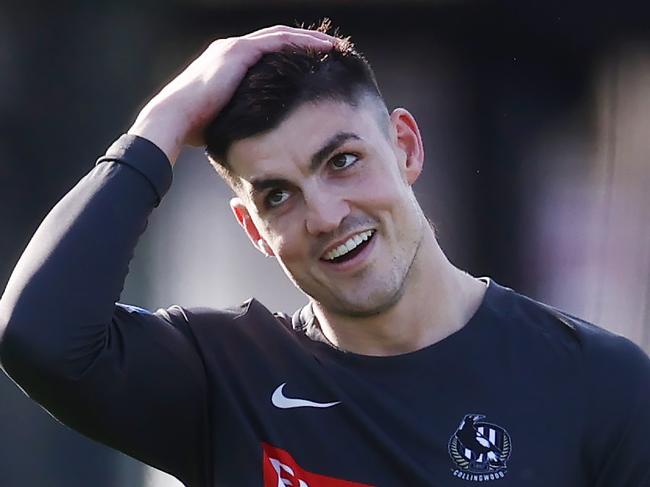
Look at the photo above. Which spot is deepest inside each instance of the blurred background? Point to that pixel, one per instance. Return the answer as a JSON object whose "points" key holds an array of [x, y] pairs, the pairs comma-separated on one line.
{"points": [[536, 122]]}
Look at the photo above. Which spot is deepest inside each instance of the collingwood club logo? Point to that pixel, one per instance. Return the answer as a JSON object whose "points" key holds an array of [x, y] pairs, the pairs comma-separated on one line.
{"points": [[479, 450]]}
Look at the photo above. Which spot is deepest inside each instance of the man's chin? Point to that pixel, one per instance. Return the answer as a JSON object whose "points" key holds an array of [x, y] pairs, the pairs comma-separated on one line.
{"points": [[365, 307]]}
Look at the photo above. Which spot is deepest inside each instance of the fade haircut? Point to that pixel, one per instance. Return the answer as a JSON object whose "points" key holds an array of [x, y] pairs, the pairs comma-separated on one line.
{"points": [[282, 81]]}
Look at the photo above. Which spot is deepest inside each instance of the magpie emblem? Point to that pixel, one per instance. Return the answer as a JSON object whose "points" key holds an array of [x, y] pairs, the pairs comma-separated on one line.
{"points": [[479, 449]]}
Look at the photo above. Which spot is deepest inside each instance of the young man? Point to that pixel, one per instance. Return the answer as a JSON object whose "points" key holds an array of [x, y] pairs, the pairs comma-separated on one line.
{"points": [[401, 370]]}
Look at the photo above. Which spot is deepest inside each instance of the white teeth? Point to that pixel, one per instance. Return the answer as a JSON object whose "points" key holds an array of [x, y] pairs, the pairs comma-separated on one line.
{"points": [[350, 244]]}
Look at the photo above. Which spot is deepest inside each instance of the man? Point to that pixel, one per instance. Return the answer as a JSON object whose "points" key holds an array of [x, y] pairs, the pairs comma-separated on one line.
{"points": [[401, 371]]}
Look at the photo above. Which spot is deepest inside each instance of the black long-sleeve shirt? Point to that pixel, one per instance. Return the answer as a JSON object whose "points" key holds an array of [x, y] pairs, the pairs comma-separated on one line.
{"points": [[247, 397]]}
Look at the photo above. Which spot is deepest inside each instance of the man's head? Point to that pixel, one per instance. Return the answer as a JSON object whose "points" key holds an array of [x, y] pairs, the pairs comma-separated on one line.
{"points": [[323, 176], [282, 81]]}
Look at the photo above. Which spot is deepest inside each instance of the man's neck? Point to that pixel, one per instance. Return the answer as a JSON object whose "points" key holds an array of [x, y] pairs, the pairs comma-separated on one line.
{"points": [[438, 301]]}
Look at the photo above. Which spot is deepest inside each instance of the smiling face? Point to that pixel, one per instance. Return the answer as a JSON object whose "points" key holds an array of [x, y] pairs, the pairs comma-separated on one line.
{"points": [[328, 192]]}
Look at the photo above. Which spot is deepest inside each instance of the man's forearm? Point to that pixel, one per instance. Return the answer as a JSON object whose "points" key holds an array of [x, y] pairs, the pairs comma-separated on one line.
{"points": [[72, 272]]}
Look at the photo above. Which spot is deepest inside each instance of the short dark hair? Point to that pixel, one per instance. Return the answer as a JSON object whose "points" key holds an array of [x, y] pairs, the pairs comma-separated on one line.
{"points": [[282, 81]]}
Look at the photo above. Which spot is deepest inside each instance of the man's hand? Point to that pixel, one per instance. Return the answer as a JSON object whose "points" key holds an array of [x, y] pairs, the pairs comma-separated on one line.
{"points": [[179, 113]]}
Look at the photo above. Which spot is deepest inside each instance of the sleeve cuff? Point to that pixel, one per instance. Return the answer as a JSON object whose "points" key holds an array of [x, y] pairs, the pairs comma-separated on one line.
{"points": [[144, 157]]}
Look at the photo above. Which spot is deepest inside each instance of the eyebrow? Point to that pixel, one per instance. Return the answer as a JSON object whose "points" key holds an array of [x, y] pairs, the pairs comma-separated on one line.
{"points": [[328, 147]]}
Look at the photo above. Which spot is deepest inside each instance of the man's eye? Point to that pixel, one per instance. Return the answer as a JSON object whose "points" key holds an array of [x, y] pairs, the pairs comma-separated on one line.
{"points": [[276, 198], [342, 161]]}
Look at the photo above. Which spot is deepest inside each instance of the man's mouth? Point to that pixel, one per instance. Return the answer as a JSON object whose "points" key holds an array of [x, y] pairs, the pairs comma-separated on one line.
{"points": [[350, 248]]}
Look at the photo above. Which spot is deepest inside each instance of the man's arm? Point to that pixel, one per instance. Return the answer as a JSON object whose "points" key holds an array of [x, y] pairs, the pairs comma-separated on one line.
{"points": [[127, 379], [123, 376]]}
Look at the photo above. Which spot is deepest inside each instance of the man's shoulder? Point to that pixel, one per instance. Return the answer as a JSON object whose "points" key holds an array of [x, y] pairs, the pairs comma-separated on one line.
{"points": [[602, 351], [250, 310], [250, 318]]}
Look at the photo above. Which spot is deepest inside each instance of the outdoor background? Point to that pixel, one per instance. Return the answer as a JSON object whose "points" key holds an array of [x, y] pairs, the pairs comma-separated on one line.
{"points": [[536, 122]]}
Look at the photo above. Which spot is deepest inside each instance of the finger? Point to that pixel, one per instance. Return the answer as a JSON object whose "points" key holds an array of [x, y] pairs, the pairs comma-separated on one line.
{"points": [[294, 30], [279, 28], [278, 40]]}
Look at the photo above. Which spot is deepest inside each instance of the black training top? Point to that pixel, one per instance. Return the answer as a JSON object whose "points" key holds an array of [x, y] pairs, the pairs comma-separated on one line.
{"points": [[523, 395]]}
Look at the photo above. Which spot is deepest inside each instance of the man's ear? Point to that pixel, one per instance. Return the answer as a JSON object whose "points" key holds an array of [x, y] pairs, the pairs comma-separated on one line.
{"points": [[408, 144], [246, 222]]}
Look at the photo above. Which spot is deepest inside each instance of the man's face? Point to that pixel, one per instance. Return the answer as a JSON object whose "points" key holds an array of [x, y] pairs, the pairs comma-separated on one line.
{"points": [[329, 193]]}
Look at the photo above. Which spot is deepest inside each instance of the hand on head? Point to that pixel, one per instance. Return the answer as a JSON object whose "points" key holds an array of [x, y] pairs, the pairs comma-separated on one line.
{"points": [[178, 114]]}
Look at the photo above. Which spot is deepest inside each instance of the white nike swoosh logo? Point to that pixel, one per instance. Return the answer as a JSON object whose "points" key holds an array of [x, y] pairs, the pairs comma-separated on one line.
{"points": [[281, 401]]}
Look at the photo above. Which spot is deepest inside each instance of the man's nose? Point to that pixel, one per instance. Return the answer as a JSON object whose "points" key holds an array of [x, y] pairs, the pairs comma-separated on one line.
{"points": [[325, 211]]}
